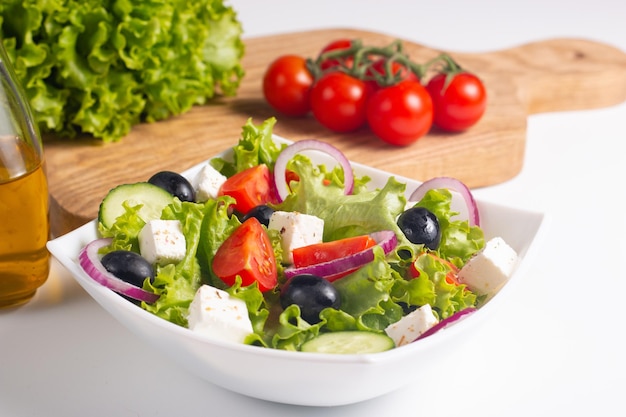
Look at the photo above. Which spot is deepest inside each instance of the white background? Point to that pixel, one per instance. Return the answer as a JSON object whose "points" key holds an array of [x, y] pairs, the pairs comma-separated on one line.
{"points": [[556, 349]]}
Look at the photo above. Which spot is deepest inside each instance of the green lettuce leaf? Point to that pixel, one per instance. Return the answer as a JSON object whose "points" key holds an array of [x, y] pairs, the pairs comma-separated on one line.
{"points": [[255, 147], [431, 287], [459, 241], [100, 67], [177, 283], [292, 331], [365, 296], [362, 212], [217, 225], [125, 231]]}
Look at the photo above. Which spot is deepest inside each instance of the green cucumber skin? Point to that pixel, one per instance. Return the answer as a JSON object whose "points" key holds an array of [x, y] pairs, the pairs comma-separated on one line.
{"points": [[153, 198], [349, 342]]}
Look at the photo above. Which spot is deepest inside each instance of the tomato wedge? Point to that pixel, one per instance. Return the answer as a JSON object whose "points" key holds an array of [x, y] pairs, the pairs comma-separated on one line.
{"points": [[251, 187], [328, 251], [247, 252]]}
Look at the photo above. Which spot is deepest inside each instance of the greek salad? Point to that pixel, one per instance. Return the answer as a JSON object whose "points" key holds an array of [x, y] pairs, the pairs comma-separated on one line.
{"points": [[272, 249]]}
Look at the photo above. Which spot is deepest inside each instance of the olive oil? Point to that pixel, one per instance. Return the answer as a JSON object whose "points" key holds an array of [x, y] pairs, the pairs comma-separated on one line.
{"points": [[24, 228]]}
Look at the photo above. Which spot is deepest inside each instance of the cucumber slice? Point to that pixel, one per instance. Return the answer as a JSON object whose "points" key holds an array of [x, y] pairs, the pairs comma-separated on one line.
{"points": [[152, 198], [349, 342]]}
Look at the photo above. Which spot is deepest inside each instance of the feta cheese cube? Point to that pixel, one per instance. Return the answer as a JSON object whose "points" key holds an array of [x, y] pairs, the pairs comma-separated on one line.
{"points": [[296, 230], [411, 326], [487, 271], [162, 242], [216, 314], [207, 183]]}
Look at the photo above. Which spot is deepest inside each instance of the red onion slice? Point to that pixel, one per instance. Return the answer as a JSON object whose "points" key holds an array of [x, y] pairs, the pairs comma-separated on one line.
{"points": [[290, 151], [89, 261], [447, 322], [454, 185], [386, 239]]}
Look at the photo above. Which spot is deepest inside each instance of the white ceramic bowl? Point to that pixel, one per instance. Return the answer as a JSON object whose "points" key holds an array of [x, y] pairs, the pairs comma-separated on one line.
{"points": [[297, 377]]}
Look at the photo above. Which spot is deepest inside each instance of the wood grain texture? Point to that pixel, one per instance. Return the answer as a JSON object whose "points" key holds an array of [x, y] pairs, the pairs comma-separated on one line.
{"points": [[545, 76]]}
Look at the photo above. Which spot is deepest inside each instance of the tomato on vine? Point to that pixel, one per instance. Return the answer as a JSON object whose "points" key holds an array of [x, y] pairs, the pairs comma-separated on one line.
{"points": [[336, 45], [400, 114], [287, 85], [389, 71], [349, 85], [459, 100], [338, 101]]}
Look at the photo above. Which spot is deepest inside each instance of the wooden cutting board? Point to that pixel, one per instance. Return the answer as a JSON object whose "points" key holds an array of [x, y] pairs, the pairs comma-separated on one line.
{"points": [[545, 76]]}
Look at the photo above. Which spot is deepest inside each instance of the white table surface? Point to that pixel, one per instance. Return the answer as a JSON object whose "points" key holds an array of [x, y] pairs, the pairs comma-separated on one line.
{"points": [[558, 347]]}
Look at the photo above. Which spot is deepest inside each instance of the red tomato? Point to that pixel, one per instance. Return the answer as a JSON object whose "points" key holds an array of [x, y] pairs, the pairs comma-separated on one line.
{"points": [[338, 101], [459, 104], [286, 85], [335, 46], [251, 187], [247, 252], [398, 71], [291, 176], [328, 251], [400, 114]]}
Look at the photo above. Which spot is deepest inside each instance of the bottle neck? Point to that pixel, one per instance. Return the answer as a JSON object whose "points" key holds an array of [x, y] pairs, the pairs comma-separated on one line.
{"points": [[16, 117]]}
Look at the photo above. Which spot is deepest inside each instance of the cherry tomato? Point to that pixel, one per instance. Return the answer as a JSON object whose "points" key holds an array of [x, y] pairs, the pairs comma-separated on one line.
{"points": [[328, 251], [338, 101], [400, 114], [251, 187], [379, 69], [247, 252], [459, 104], [336, 62], [286, 85]]}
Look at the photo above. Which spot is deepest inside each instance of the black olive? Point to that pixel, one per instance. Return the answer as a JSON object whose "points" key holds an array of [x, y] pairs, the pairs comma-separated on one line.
{"points": [[262, 213], [407, 308], [312, 294], [128, 266], [175, 184], [420, 226]]}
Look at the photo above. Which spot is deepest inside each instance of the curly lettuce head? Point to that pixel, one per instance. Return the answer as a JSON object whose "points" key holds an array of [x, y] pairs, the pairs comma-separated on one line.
{"points": [[102, 66]]}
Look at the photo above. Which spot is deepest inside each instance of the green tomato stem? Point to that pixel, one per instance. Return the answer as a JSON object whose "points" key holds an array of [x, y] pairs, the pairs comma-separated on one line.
{"points": [[364, 57]]}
